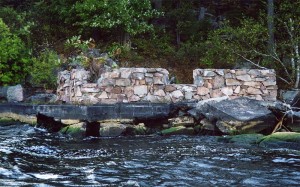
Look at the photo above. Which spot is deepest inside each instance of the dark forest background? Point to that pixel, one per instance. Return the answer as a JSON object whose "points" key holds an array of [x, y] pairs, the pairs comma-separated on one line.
{"points": [[39, 37]]}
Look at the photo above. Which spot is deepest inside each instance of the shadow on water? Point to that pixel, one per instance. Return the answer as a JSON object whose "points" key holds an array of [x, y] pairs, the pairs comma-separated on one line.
{"points": [[33, 157]]}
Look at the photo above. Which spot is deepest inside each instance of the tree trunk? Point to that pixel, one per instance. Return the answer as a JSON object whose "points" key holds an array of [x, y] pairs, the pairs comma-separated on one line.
{"points": [[297, 57], [271, 42], [295, 60], [157, 4], [3, 91], [178, 37], [126, 40], [178, 40], [202, 13]]}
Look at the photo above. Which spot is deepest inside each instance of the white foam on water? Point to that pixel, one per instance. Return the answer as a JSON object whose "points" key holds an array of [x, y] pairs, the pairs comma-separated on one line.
{"points": [[5, 172], [5, 150], [45, 176], [285, 160], [111, 163]]}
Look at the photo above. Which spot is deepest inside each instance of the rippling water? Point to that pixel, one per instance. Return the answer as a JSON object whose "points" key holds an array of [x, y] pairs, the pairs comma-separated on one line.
{"points": [[34, 157]]}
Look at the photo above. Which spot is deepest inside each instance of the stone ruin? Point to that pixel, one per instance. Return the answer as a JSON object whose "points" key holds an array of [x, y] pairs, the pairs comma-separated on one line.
{"points": [[152, 85]]}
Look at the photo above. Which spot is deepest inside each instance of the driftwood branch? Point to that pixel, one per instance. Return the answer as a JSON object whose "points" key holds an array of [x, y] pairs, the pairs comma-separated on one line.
{"points": [[261, 67], [276, 57]]}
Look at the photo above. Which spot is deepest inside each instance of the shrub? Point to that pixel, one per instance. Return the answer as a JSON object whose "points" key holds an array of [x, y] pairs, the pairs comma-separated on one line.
{"points": [[44, 69], [13, 57]]}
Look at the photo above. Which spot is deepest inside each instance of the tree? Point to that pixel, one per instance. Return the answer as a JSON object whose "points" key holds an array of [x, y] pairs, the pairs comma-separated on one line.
{"points": [[13, 61], [271, 42], [288, 39], [231, 45], [128, 18], [44, 68], [253, 41]]}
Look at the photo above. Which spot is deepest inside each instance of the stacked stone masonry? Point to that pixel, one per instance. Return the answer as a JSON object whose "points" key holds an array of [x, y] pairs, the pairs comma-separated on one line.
{"points": [[152, 85]]}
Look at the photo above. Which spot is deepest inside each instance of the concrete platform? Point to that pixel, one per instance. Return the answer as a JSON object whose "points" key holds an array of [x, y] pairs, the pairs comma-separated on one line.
{"points": [[92, 112]]}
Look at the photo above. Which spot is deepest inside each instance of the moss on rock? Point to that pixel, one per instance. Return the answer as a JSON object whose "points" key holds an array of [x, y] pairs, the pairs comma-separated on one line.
{"points": [[281, 140], [77, 130], [8, 116], [241, 139], [179, 130], [133, 130]]}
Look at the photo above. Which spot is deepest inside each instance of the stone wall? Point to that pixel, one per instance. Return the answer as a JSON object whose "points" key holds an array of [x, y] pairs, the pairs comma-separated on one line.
{"points": [[152, 85], [253, 83]]}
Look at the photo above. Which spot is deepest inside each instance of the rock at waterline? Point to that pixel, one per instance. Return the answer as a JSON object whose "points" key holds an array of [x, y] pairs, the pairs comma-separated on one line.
{"points": [[112, 129], [241, 139], [239, 116], [290, 140], [133, 130], [179, 130], [76, 130], [182, 121]]}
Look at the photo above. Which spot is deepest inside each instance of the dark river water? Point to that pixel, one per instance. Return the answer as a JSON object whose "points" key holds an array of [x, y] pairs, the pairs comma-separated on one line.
{"points": [[34, 157]]}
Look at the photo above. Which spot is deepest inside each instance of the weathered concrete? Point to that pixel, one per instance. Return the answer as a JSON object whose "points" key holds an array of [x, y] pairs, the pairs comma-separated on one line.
{"points": [[93, 112]]}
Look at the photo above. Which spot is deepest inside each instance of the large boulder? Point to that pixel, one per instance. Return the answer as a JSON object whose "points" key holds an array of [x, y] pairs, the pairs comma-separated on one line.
{"points": [[12, 93], [238, 116], [291, 97], [287, 111]]}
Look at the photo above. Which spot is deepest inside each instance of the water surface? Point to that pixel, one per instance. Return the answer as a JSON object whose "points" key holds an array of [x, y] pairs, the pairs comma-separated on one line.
{"points": [[33, 157]]}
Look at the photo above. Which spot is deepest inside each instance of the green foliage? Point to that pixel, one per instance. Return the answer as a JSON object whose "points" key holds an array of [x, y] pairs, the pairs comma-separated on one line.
{"points": [[154, 47], [13, 57], [77, 44], [184, 19], [287, 26], [17, 22], [116, 49], [128, 16], [180, 40], [77, 61], [44, 68], [228, 45]]}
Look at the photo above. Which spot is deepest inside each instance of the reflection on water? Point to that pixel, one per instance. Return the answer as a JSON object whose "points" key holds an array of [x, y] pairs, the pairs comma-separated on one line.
{"points": [[33, 157]]}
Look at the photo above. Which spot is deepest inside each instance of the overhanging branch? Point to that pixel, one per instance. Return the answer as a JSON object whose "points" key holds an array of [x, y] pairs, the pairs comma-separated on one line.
{"points": [[261, 67]]}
